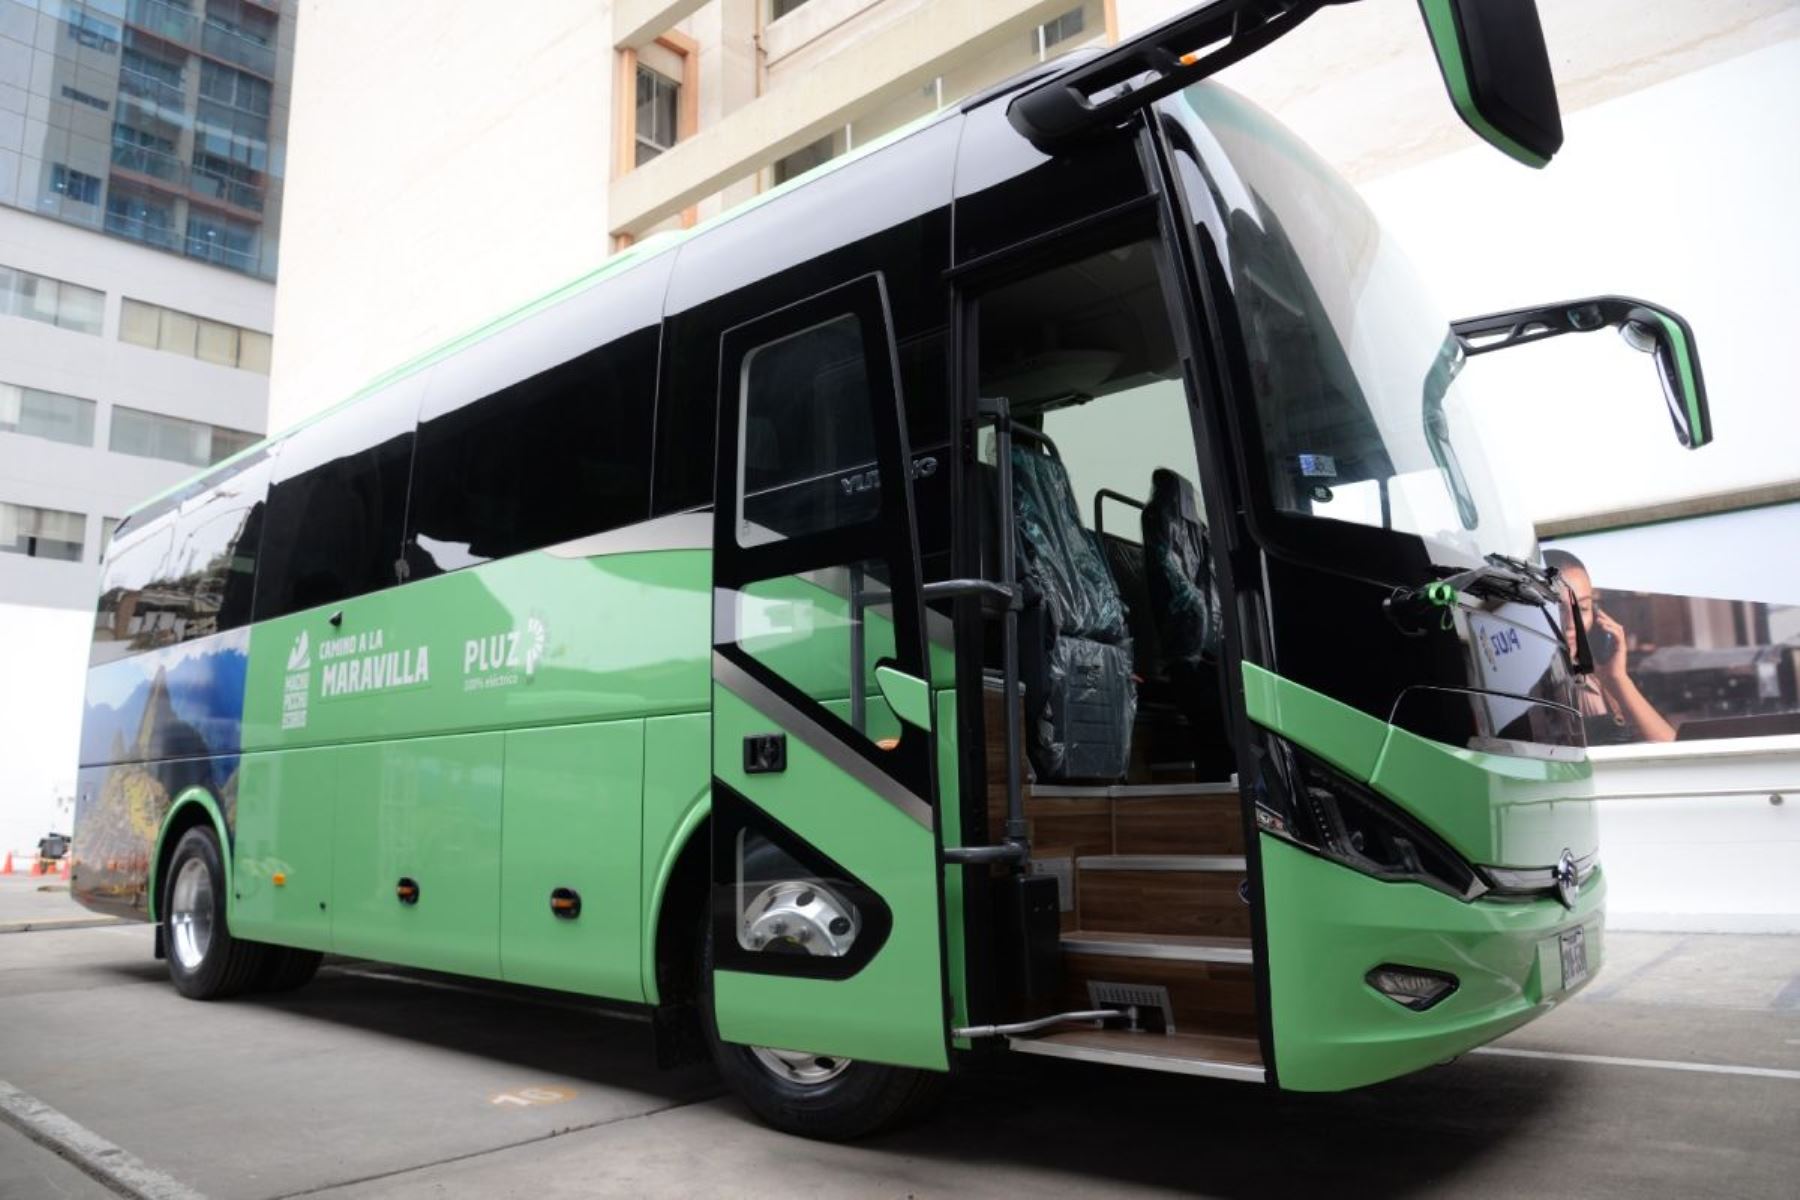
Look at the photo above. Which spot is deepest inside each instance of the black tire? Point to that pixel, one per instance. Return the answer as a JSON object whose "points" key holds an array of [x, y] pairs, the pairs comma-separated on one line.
{"points": [[863, 1099], [215, 965], [285, 968]]}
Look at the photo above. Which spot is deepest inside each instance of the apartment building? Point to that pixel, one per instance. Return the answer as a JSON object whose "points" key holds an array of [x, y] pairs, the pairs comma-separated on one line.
{"points": [[141, 166], [140, 195], [420, 206]]}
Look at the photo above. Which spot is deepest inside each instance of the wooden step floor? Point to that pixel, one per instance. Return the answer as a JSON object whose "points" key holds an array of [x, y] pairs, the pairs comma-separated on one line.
{"points": [[1218, 1056], [1192, 895]]}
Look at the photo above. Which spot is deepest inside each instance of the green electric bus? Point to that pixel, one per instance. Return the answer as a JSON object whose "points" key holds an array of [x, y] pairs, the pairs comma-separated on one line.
{"points": [[1034, 587]]}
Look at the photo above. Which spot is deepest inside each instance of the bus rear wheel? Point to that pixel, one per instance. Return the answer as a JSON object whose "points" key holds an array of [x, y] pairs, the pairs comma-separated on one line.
{"points": [[814, 1095], [205, 961]]}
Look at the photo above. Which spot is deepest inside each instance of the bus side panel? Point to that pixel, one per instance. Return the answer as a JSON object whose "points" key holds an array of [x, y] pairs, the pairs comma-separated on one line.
{"points": [[425, 810], [155, 724], [571, 816], [281, 875]]}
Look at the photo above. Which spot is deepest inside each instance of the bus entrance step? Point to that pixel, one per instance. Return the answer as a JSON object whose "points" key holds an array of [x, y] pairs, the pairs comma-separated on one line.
{"points": [[1193, 895], [1183, 1054], [1201, 985]]}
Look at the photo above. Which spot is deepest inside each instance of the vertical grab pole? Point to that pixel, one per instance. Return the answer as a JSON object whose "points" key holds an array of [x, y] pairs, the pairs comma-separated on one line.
{"points": [[1016, 829], [859, 701]]}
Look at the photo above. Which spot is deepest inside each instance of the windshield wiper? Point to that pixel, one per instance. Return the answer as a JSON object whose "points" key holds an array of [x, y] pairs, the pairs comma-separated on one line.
{"points": [[1501, 576]]}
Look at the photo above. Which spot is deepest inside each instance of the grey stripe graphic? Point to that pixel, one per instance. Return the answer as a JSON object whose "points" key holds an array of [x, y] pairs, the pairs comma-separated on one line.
{"points": [[820, 740]]}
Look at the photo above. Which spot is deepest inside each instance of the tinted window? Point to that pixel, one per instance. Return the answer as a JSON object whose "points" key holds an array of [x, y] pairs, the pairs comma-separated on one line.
{"points": [[560, 455], [808, 460], [185, 574], [338, 508]]}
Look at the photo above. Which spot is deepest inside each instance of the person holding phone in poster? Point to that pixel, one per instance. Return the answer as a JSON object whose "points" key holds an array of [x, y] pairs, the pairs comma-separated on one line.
{"points": [[1612, 707]]}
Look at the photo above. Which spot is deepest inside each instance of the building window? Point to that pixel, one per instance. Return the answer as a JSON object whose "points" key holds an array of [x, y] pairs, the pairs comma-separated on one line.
{"points": [[75, 185], [88, 29], [49, 415], [81, 97], [152, 435], [40, 298], [1059, 29], [240, 33], [221, 240], [658, 108], [781, 8], [108, 527], [41, 532], [158, 328]]}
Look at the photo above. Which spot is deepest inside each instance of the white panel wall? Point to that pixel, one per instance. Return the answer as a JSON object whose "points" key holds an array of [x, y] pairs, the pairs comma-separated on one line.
{"points": [[446, 161]]}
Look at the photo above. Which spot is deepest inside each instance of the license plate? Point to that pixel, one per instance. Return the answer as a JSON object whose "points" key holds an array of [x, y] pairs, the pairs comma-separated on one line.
{"points": [[1574, 957]]}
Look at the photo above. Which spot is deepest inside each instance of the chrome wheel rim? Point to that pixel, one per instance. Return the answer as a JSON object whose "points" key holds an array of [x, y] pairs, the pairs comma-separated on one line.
{"points": [[191, 914], [799, 1066]]}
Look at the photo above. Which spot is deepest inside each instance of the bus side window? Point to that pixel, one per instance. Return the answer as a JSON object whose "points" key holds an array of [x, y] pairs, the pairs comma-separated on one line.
{"points": [[191, 571], [338, 504], [558, 456]]}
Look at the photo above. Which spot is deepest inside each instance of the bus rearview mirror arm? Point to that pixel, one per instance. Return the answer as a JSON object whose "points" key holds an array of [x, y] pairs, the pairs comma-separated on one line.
{"points": [[1657, 331], [1491, 55]]}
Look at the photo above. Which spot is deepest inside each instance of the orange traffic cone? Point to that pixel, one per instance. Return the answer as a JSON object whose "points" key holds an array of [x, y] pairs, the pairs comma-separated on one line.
{"points": [[8, 868]]}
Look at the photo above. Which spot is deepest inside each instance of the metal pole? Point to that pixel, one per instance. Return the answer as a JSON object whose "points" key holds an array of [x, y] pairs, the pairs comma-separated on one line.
{"points": [[1016, 828], [859, 701]]}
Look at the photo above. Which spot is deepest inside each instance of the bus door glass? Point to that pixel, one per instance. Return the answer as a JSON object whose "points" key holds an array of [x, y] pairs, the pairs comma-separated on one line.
{"points": [[826, 914]]}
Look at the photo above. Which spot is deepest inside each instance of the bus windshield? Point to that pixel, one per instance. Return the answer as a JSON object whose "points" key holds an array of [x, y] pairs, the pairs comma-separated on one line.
{"points": [[1359, 408]]}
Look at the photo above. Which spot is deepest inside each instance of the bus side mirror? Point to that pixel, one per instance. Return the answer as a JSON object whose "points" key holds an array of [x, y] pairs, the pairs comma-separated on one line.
{"points": [[1496, 68], [1657, 331]]}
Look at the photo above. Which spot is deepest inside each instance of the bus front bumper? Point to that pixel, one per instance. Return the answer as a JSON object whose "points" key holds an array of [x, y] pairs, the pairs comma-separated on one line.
{"points": [[1329, 926]]}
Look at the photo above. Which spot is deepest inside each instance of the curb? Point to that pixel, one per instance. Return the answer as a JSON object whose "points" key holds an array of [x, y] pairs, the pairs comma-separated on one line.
{"points": [[42, 924]]}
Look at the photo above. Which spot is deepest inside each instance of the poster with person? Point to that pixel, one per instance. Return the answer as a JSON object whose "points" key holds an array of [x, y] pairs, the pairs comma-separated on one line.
{"points": [[1682, 668]]}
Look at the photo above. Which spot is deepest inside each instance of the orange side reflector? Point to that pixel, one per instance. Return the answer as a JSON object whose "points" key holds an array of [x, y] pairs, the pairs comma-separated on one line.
{"points": [[280, 879], [887, 743]]}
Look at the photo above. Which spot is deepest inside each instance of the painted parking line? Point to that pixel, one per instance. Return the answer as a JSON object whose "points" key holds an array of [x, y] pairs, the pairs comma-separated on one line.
{"points": [[122, 1172], [1660, 1064]]}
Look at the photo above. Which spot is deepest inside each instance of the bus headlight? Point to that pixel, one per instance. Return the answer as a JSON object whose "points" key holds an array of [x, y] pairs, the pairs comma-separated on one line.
{"points": [[1306, 801]]}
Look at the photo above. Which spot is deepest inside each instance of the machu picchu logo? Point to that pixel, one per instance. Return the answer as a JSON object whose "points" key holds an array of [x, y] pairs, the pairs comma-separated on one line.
{"points": [[300, 656]]}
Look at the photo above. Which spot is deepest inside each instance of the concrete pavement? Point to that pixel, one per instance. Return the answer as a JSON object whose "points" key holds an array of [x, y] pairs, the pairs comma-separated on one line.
{"points": [[375, 1081], [40, 902]]}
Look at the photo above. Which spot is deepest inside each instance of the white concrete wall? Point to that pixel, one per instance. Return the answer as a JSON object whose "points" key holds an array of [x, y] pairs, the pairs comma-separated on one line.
{"points": [[1702, 837], [446, 161]]}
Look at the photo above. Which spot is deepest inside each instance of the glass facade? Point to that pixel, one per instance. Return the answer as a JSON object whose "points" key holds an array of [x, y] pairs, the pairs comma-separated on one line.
{"points": [[153, 435], [50, 415], [161, 121], [41, 532]]}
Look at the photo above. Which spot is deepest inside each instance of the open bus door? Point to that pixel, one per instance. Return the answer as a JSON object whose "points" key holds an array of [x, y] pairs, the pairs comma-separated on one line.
{"points": [[826, 914]]}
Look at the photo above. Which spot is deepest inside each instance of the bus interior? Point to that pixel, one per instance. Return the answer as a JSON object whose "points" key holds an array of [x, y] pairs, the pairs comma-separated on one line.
{"points": [[1127, 769]]}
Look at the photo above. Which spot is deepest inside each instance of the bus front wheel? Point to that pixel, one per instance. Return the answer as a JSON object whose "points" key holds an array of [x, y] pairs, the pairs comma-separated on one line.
{"points": [[813, 1095], [205, 961]]}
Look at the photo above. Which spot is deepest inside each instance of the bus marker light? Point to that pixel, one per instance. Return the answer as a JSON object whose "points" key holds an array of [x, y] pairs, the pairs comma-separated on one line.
{"points": [[407, 891], [565, 903], [1411, 987], [280, 879]]}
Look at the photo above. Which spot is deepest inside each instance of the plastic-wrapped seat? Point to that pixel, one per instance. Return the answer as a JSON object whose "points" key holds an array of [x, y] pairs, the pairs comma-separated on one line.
{"points": [[1184, 606], [1075, 653]]}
